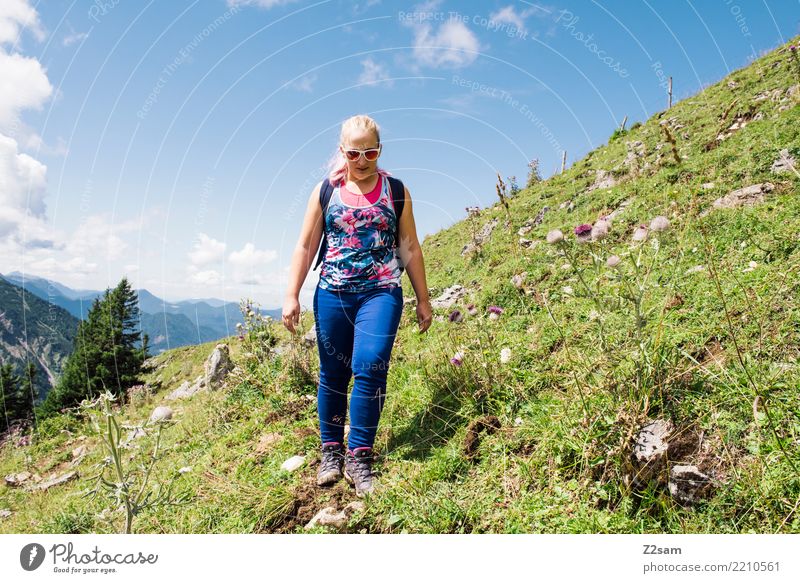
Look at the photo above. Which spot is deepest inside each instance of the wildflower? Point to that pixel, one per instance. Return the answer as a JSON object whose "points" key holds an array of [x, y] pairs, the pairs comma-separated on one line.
{"points": [[241, 336], [792, 48], [494, 312], [594, 315], [613, 261], [599, 231], [458, 359], [505, 355], [473, 311], [251, 313], [583, 233], [455, 316], [518, 279], [555, 236], [640, 234], [660, 223], [238, 325], [185, 469], [567, 289]]}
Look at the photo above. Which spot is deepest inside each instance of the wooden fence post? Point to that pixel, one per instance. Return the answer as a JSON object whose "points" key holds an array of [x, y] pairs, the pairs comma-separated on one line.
{"points": [[670, 93]]}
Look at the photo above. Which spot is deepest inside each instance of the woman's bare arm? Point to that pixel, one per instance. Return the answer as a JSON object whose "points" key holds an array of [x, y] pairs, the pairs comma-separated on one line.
{"points": [[307, 245]]}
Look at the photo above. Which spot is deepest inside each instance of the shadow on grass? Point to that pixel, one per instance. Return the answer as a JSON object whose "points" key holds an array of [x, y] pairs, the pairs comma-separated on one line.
{"points": [[431, 427]]}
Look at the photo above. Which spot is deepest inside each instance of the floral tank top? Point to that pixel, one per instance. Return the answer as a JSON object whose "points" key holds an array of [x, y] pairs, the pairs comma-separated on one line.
{"points": [[361, 251]]}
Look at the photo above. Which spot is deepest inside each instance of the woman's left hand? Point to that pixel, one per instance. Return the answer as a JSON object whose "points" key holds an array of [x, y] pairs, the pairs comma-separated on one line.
{"points": [[424, 315]]}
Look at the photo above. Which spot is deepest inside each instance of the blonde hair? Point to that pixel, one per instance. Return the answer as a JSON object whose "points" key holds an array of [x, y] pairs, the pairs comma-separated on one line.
{"points": [[338, 163]]}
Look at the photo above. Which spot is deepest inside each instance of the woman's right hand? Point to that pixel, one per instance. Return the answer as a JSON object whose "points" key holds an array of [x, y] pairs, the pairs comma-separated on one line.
{"points": [[291, 313]]}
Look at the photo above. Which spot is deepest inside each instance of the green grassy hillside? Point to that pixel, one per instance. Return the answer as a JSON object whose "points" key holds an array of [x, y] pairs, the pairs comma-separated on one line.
{"points": [[698, 326]]}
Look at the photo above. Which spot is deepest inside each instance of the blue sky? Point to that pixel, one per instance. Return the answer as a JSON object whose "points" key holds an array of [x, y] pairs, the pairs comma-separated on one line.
{"points": [[177, 142]]}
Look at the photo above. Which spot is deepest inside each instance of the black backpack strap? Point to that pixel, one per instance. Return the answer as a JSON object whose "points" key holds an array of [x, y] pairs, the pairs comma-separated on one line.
{"points": [[398, 195], [398, 199], [325, 192]]}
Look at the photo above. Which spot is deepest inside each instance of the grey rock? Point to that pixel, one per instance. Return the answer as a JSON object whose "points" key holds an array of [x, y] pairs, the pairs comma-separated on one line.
{"points": [[293, 463], [449, 297], [218, 366], [310, 338], [688, 485], [480, 238], [186, 390], [56, 481], [603, 179], [784, 163], [619, 210], [17, 480], [749, 195], [135, 433], [330, 517], [5, 513], [649, 456]]}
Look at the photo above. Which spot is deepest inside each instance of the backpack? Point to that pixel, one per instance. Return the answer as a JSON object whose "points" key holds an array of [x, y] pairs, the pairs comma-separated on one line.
{"points": [[326, 191]]}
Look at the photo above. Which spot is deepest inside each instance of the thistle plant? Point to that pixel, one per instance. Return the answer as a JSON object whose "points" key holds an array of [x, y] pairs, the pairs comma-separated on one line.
{"points": [[533, 173], [125, 480], [472, 363], [795, 59], [618, 283], [256, 333]]}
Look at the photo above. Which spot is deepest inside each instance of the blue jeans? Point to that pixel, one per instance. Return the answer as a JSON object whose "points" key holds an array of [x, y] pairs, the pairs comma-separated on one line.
{"points": [[355, 335]]}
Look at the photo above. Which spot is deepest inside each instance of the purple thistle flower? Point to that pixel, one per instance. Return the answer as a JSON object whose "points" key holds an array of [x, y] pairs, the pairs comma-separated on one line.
{"points": [[640, 234], [458, 359], [659, 223], [455, 316], [583, 233], [792, 48], [555, 236], [494, 312], [473, 311]]}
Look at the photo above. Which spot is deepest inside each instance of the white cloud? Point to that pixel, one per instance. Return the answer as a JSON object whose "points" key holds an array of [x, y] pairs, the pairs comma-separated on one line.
{"points": [[22, 180], [372, 73], [71, 39], [305, 83], [16, 15], [453, 45], [24, 86], [508, 15], [97, 232], [260, 3], [204, 278], [246, 262], [206, 250]]}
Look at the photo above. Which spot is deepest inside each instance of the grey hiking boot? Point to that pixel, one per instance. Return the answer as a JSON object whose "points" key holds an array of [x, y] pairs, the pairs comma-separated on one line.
{"points": [[358, 470], [330, 468]]}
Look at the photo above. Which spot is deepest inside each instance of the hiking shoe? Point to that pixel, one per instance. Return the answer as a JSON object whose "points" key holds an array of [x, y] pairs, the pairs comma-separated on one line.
{"points": [[330, 468], [358, 470]]}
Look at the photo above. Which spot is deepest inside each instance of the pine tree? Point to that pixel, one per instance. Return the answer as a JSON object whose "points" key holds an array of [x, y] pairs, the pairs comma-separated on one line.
{"points": [[8, 389], [106, 356], [14, 404]]}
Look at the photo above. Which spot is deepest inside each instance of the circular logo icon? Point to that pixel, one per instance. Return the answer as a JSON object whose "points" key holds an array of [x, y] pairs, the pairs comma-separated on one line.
{"points": [[31, 556]]}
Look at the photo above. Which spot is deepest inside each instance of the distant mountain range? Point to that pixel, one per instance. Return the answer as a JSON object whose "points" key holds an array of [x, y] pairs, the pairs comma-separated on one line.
{"points": [[32, 330], [52, 311]]}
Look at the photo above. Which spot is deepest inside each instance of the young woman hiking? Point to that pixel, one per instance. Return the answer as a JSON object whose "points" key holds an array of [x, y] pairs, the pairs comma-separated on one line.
{"points": [[359, 298]]}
